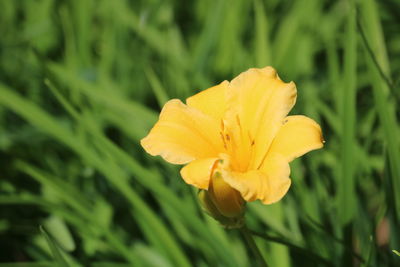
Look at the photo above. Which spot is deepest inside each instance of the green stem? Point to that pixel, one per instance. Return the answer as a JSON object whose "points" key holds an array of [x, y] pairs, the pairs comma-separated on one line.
{"points": [[253, 246]]}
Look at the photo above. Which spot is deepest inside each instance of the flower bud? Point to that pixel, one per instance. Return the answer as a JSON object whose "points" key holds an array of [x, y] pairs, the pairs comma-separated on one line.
{"points": [[223, 203], [227, 200]]}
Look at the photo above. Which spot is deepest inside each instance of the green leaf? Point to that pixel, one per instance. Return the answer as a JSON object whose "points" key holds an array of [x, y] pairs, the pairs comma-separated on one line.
{"points": [[54, 249], [60, 232]]}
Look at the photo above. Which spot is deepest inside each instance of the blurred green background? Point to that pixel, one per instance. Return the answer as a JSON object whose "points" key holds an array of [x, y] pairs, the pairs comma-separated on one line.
{"points": [[82, 81]]}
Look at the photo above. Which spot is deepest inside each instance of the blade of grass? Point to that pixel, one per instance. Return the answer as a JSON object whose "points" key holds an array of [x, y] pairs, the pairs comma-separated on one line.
{"points": [[115, 176], [54, 249], [157, 87], [385, 106], [83, 222], [27, 264], [346, 196], [305, 252], [261, 42], [391, 85]]}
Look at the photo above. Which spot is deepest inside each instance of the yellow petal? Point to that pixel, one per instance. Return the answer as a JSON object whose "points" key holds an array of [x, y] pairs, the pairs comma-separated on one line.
{"points": [[297, 136], [183, 134], [211, 101], [258, 101], [198, 172], [269, 184]]}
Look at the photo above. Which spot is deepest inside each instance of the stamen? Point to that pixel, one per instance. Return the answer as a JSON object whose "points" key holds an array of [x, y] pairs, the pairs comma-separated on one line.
{"points": [[223, 140], [249, 135], [238, 120]]}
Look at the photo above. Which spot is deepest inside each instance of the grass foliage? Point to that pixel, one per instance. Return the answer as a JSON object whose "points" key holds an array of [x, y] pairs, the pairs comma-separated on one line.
{"points": [[81, 82]]}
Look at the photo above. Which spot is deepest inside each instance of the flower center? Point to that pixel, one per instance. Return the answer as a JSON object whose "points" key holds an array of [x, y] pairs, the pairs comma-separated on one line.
{"points": [[238, 144]]}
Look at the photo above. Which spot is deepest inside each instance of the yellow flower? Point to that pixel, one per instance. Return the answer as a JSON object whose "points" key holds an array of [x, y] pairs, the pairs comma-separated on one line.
{"points": [[236, 140]]}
